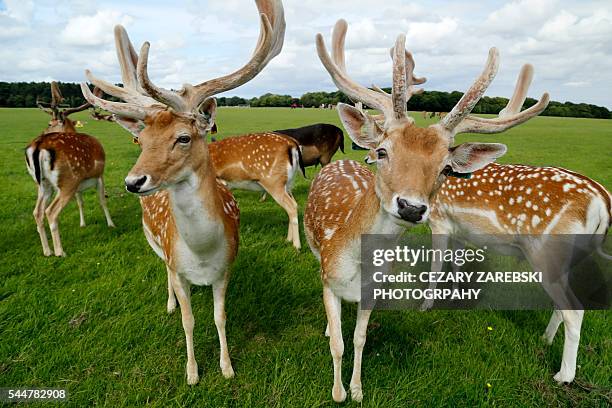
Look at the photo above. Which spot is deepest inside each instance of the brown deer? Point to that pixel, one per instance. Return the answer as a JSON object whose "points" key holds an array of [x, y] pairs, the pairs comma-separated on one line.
{"points": [[261, 162], [347, 200], [67, 162], [190, 219], [525, 208], [319, 142]]}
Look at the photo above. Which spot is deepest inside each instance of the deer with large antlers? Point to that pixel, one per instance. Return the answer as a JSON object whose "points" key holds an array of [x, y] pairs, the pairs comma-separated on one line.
{"points": [[526, 208], [347, 200], [62, 160], [190, 219]]}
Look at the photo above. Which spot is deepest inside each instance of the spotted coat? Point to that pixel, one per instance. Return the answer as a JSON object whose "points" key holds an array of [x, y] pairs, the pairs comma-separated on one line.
{"points": [[342, 204], [158, 219], [519, 199], [73, 156]]}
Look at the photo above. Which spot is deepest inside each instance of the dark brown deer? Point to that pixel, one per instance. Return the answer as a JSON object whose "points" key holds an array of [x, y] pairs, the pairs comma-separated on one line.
{"points": [[319, 142]]}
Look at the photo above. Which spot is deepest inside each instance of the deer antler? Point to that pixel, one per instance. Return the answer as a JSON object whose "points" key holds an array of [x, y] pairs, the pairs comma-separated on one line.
{"points": [[69, 111], [142, 96], [268, 46], [511, 115], [393, 106], [459, 119], [56, 95]]}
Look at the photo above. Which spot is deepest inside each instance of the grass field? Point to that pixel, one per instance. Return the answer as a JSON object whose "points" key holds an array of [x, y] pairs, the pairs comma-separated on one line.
{"points": [[122, 349]]}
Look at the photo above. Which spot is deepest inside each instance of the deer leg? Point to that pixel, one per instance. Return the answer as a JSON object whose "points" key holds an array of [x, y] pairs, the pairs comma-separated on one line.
{"points": [[359, 339], [183, 294], [39, 216], [102, 198], [263, 197], [285, 200], [555, 281], [79, 200], [53, 211], [572, 321], [438, 241], [336, 344], [219, 305], [327, 325], [553, 326], [456, 245], [171, 305]]}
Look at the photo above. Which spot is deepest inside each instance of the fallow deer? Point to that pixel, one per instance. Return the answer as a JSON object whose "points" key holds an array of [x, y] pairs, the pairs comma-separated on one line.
{"points": [[526, 208], [319, 142], [190, 219], [347, 200], [67, 162], [262, 162]]}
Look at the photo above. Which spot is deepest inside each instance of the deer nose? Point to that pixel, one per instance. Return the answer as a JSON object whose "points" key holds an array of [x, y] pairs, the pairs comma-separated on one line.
{"points": [[133, 183], [410, 212]]}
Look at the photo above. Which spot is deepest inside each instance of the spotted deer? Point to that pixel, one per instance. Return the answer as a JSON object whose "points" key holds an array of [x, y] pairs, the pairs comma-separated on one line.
{"points": [[67, 162], [526, 209], [190, 219], [347, 200], [262, 162]]}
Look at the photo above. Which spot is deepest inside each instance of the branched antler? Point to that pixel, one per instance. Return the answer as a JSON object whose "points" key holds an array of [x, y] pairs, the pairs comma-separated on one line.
{"points": [[141, 96], [392, 106]]}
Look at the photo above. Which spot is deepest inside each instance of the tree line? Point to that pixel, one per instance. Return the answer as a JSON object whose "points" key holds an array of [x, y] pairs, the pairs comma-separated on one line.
{"points": [[26, 94]]}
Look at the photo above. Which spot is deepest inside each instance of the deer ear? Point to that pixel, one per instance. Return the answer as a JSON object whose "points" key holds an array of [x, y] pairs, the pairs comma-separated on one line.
{"points": [[134, 126], [206, 114], [469, 157], [362, 129]]}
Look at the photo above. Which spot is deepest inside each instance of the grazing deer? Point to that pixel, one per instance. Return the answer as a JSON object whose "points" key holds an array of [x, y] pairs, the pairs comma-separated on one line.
{"points": [[525, 207], [190, 219], [347, 200], [67, 162], [262, 162], [319, 142]]}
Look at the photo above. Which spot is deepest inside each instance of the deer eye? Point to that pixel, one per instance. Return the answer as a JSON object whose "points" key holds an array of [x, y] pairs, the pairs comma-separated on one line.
{"points": [[381, 154], [447, 170], [184, 139]]}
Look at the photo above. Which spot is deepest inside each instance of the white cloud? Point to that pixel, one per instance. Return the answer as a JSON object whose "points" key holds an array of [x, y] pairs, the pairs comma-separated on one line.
{"points": [[19, 10], [93, 30], [558, 26], [431, 34], [521, 14], [577, 83], [195, 40]]}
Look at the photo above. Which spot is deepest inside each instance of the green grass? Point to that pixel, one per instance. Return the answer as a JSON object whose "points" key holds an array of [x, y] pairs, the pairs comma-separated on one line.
{"points": [[127, 351]]}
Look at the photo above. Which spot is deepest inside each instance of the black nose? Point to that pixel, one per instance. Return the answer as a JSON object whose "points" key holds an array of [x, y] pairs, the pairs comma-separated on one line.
{"points": [[133, 186], [409, 212]]}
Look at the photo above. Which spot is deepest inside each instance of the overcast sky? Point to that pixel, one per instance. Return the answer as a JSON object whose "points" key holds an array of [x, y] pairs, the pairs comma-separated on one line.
{"points": [[568, 42]]}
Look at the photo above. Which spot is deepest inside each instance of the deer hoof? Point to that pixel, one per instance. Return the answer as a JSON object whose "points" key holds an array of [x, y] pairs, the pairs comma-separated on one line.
{"points": [[356, 393], [338, 393]]}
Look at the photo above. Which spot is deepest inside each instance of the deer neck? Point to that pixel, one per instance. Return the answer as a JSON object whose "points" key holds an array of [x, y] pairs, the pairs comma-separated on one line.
{"points": [[376, 219], [196, 206]]}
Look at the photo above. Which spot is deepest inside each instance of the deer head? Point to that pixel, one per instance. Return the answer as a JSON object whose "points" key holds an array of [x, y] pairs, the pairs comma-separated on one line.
{"points": [[412, 162], [59, 117], [171, 126]]}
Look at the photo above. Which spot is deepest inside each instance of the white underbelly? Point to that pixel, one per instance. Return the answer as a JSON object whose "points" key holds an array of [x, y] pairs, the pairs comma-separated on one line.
{"points": [[346, 283], [87, 183], [245, 185]]}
